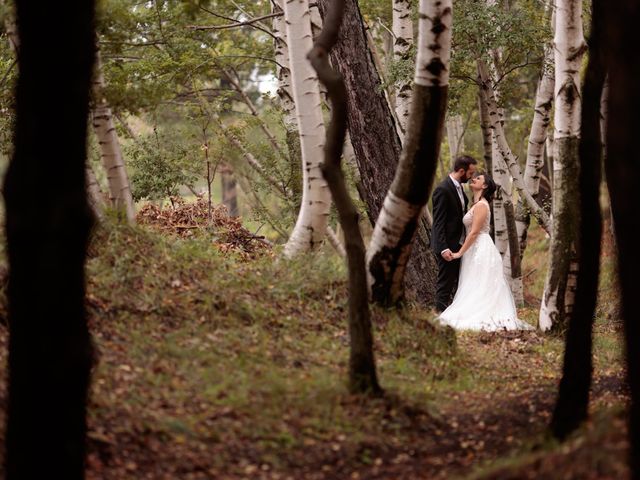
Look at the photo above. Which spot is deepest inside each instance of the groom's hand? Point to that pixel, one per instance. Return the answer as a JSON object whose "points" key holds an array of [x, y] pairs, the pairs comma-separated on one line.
{"points": [[447, 255]]}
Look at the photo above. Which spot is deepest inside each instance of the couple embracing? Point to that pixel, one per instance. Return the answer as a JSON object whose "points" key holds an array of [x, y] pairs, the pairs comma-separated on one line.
{"points": [[469, 264]]}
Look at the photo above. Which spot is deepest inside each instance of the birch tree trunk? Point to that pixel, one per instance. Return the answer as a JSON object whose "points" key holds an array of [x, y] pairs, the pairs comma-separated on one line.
{"points": [[501, 177], [487, 147], [572, 406], [375, 141], [402, 27], [397, 223], [505, 151], [362, 368], [311, 225], [537, 140], [455, 135], [485, 127], [569, 47], [285, 94], [110, 152]]}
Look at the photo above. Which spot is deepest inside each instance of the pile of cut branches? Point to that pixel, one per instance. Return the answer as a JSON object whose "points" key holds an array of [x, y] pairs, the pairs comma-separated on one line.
{"points": [[187, 220]]}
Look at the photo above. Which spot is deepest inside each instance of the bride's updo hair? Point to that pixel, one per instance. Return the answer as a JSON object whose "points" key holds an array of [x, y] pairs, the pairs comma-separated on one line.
{"points": [[489, 192]]}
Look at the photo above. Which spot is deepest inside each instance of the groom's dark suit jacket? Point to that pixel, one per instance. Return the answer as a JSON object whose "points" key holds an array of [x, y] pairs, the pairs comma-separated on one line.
{"points": [[447, 217]]}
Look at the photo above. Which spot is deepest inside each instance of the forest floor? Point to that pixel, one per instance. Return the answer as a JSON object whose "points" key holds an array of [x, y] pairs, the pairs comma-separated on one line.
{"points": [[216, 360]]}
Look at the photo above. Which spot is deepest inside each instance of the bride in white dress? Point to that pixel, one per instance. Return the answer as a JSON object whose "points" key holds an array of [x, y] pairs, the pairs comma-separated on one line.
{"points": [[483, 300]]}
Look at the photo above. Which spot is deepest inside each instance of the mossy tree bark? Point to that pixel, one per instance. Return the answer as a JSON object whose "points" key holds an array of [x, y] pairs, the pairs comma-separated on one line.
{"points": [[50, 350]]}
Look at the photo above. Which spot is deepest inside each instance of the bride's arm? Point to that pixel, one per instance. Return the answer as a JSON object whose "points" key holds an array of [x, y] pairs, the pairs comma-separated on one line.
{"points": [[479, 217]]}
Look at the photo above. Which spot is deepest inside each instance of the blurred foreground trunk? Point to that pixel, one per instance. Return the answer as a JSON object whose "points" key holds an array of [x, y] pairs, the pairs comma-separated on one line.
{"points": [[47, 234]]}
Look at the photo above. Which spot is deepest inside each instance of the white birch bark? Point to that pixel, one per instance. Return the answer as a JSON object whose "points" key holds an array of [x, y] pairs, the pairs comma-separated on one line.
{"points": [[381, 71], [455, 136], [110, 152], [283, 71], [537, 140], [392, 237], [569, 47], [311, 226], [335, 242], [316, 28], [505, 151], [501, 177], [402, 27]]}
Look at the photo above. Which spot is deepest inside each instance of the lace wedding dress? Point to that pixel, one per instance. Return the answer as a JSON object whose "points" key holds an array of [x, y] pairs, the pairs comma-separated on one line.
{"points": [[483, 300]]}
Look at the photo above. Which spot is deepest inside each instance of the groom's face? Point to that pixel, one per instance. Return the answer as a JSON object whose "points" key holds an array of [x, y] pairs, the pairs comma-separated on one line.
{"points": [[468, 174]]}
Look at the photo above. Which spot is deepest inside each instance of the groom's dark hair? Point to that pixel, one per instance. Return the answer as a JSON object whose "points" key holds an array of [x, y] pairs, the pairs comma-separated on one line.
{"points": [[464, 161]]}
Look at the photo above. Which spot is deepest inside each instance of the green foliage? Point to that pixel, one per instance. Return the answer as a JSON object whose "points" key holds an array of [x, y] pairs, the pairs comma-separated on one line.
{"points": [[161, 163]]}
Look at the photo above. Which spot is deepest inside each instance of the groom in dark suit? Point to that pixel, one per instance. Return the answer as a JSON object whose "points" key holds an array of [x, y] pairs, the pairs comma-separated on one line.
{"points": [[447, 236]]}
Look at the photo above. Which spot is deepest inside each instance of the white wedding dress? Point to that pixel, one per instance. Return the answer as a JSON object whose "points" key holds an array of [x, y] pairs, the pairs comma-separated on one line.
{"points": [[483, 300]]}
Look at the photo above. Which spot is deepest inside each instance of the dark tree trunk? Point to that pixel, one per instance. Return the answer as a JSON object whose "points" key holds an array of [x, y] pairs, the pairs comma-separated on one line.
{"points": [[362, 367], [622, 166], [573, 397], [47, 228], [376, 142], [229, 191], [514, 244]]}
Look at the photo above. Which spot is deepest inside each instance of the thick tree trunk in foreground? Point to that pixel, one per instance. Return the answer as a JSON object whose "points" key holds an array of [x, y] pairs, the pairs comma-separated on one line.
{"points": [[573, 397], [375, 141], [362, 367], [395, 228], [105, 130], [47, 234], [622, 166], [311, 226], [569, 47], [402, 27]]}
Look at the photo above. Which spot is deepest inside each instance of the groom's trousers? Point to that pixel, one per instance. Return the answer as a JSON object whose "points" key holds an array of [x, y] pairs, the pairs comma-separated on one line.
{"points": [[447, 283]]}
